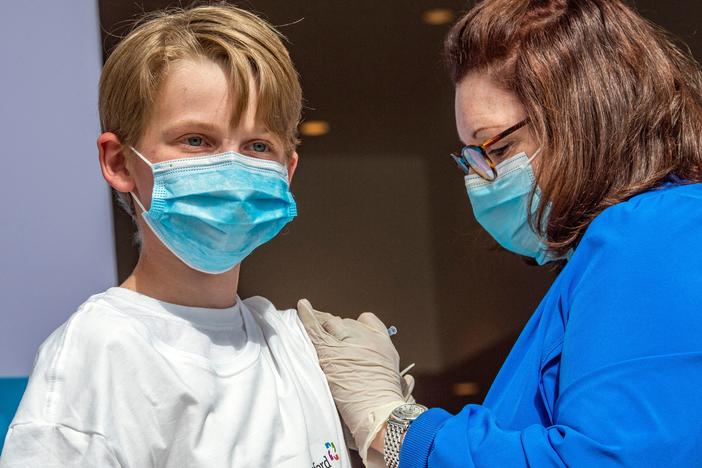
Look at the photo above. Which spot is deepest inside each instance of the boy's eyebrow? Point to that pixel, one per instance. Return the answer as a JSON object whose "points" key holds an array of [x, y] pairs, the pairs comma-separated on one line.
{"points": [[265, 131], [202, 124]]}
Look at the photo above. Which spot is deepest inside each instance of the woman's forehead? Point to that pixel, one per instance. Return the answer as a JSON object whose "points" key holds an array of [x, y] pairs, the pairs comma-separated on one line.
{"points": [[483, 108]]}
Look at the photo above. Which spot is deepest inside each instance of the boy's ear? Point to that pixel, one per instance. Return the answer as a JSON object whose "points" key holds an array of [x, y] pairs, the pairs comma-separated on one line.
{"points": [[292, 165], [113, 163]]}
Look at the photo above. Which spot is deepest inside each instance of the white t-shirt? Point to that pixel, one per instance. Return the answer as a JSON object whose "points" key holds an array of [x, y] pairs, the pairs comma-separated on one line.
{"points": [[131, 381]]}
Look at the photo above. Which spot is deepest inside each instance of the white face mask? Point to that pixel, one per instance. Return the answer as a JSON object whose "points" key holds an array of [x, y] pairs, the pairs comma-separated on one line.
{"points": [[500, 206]]}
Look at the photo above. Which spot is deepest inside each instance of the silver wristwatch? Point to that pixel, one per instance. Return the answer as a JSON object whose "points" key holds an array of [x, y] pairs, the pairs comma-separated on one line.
{"points": [[398, 423]]}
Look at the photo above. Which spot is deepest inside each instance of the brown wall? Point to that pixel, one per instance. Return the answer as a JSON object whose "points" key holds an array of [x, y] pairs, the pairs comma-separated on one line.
{"points": [[362, 241]]}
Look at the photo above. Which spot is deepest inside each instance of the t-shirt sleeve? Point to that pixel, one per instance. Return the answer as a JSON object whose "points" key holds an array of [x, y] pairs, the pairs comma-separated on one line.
{"points": [[54, 446], [631, 362], [286, 322], [83, 396]]}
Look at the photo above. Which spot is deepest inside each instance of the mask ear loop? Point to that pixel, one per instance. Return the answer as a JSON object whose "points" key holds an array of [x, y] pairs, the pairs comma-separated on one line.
{"points": [[136, 199], [536, 153]]}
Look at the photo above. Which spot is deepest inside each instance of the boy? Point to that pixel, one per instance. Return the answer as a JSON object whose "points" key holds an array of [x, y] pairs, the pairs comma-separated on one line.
{"points": [[199, 110]]}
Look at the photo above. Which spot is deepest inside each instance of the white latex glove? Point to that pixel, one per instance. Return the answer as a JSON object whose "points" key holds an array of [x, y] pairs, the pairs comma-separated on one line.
{"points": [[362, 367]]}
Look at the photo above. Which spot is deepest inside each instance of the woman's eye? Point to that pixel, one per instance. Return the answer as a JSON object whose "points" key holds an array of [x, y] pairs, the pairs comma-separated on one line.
{"points": [[260, 147], [498, 152], [195, 141]]}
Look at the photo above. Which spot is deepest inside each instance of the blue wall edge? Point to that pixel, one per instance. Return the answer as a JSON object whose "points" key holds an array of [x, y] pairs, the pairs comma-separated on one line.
{"points": [[11, 391]]}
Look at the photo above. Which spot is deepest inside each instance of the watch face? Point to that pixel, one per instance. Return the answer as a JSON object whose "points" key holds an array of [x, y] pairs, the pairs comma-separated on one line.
{"points": [[408, 412]]}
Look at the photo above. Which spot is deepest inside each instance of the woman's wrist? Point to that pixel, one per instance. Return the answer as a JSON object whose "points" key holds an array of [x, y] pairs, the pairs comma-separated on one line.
{"points": [[379, 441]]}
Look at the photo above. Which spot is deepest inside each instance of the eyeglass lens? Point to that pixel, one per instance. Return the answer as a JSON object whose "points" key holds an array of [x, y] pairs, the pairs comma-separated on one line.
{"points": [[478, 163]]}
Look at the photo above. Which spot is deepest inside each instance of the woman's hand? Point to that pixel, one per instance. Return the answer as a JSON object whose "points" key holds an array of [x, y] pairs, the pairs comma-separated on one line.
{"points": [[362, 367]]}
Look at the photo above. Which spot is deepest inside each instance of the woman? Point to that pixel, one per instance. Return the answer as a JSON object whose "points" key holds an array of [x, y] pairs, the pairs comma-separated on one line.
{"points": [[583, 131]]}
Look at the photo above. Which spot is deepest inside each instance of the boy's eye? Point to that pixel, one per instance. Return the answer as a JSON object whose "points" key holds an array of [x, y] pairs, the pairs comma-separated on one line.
{"points": [[195, 141], [259, 147], [262, 149]]}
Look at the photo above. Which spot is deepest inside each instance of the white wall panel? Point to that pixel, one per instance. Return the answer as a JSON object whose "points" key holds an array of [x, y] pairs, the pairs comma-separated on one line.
{"points": [[56, 236]]}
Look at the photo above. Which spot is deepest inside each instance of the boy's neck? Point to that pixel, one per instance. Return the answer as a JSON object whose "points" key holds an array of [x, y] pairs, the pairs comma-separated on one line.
{"points": [[168, 279]]}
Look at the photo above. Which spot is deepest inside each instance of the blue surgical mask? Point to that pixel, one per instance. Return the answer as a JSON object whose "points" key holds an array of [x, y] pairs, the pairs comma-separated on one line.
{"points": [[213, 211], [500, 206]]}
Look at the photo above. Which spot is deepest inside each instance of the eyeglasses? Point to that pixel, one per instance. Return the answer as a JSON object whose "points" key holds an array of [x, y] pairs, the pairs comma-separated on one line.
{"points": [[476, 157]]}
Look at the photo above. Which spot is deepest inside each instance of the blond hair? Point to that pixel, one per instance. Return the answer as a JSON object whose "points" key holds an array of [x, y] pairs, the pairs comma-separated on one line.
{"points": [[246, 46]]}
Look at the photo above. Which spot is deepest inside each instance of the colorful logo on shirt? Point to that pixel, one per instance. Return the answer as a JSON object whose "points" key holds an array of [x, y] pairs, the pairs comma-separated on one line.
{"points": [[331, 456], [330, 448]]}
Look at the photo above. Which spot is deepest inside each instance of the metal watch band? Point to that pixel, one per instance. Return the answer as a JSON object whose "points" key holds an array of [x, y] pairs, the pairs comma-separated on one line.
{"points": [[398, 423], [393, 442]]}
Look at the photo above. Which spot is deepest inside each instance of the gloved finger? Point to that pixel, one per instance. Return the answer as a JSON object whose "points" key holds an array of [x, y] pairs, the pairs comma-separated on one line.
{"points": [[336, 328], [407, 386], [371, 320], [312, 319], [308, 318]]}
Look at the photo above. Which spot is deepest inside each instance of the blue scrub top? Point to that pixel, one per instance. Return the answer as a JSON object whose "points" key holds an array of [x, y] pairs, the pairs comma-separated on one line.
{"points": [[608, 370]]}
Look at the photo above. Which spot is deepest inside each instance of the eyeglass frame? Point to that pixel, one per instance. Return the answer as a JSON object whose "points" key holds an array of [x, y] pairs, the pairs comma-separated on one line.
{"points": [[462, 162]]}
